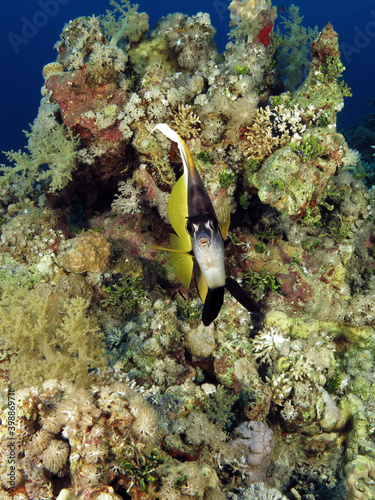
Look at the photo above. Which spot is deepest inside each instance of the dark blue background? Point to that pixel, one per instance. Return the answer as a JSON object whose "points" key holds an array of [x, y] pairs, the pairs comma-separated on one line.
{"points": [[21, 77]]}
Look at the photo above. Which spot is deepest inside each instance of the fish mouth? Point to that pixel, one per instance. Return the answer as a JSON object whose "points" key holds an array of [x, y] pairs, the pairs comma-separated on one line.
{"points": [[204, 242]]}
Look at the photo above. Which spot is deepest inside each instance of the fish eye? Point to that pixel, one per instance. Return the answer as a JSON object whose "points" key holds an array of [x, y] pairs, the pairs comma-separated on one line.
{"points": [[214, 224], [190, 228]]}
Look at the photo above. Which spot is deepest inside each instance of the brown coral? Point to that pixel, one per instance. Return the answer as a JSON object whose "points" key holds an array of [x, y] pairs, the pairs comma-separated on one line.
{"points": [[275, 128], [87, 253], [51, 69], [55, 456], [186, 122]]}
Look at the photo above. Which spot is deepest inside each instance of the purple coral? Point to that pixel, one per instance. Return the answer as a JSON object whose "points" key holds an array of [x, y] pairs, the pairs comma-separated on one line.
{"points": [[255, 448]]}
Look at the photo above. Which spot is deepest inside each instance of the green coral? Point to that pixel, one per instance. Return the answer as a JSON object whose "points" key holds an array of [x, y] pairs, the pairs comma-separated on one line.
{"points": [[293, 55], [204, 157], [309, 148], [260, 248], [334, 383], [332, 71], [124, 296], [26, 277], [141, 470], [189, 309], [241, 70], [51, 156], [259, 284], [226, 177], [338, 230]]}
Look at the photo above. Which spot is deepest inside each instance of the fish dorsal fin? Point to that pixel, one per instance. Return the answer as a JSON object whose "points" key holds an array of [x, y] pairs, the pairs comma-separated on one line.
{"points": [[173, 136], [178, 200], [178, 212], [223, 214], [182, 261]]}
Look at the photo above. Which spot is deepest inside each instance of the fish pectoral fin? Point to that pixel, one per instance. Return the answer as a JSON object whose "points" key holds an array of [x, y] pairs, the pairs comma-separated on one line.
{"points": [[214, 301], [157, 247], [182, 260], [223, 214]]}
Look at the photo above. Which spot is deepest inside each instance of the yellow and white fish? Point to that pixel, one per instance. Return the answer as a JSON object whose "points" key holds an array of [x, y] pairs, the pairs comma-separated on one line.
{"points": [[199, 237]]}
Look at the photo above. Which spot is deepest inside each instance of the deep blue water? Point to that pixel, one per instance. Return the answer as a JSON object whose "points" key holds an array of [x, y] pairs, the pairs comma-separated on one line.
{"points": [[22, 62]]}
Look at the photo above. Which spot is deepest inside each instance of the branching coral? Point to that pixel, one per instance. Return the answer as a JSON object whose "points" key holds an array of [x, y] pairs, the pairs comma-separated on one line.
{"points": [[48, 343], [186, 122], [274, 128], [267, 342], [128, 24], [50, 144], [293, 55]]}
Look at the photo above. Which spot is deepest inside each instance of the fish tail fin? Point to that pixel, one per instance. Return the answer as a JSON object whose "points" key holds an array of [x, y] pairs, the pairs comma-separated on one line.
{"points": [[212, 305]]}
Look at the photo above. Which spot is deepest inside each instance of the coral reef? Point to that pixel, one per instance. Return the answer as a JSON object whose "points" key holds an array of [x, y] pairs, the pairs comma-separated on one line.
{"points": [[111, 387]]}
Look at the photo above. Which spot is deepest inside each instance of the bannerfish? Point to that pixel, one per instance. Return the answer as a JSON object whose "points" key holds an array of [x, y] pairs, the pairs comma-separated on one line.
{"points": [[198, 244]]}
